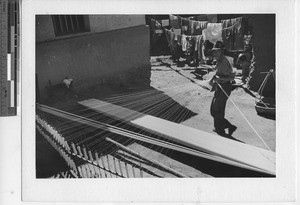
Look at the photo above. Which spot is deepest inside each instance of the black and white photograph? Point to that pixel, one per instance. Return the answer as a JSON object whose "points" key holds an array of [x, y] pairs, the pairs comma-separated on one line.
{"points": [[153, 102], [137, 96]]}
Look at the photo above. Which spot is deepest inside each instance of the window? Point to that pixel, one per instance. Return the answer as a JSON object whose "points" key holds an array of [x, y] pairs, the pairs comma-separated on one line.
{"points": [[70, 24]]}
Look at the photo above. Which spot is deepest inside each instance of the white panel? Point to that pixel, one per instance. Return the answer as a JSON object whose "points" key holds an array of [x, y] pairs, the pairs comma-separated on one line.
{"points": [[12, 93], [9, 66]]}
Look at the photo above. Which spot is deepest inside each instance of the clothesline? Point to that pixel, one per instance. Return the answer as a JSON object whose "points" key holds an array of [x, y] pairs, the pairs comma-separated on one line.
{"points": [[236, 23], [189, 19], [227, 28], [173, 31], [194, 43]]}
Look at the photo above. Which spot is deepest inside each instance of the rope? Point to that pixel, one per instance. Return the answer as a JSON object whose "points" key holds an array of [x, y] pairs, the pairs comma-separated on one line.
{"points": [[244, 117], [229, 27]]}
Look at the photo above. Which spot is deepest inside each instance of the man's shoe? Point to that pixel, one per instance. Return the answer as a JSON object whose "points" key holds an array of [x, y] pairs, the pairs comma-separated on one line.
{"points": [[219, 132], [231, 130]]}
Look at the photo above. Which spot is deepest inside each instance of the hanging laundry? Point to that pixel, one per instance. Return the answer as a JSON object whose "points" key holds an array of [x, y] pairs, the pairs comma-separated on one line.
{"points": [[165, 23], [157, 24], [190, 48], [188, 53], [174, 21], [226, 33], [232, 33], [168, 36], [236, 36], [183, 42], [203, 24], [197, 43], [226, 23], [238, 26], [226, 36], [169, 39], [235, 23], [192, 27], [213, 32], [177, 31], [191, 54], [185, 26], [199, 27], [192, 18], [179, 39], [172, 41], [154, 25], [180, 21], [200, 49]]}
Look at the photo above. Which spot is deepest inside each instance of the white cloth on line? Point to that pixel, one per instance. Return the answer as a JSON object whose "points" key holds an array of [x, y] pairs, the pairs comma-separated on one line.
{"points": [[213, 32]]}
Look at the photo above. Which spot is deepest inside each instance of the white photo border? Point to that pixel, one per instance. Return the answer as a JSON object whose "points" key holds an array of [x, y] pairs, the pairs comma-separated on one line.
{"points": [[195, 190]]}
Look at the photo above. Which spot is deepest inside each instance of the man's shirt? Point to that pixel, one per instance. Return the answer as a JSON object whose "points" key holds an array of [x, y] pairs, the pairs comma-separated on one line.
{"points": [[224, 68]]}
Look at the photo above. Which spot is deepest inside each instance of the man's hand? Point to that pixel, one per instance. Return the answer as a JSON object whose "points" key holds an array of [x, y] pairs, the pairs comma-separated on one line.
{"points": [[223, 79]]}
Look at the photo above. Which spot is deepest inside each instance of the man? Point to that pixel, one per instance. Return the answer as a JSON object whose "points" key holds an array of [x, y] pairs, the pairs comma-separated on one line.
{"points": [[244, 62], [222, 84]]}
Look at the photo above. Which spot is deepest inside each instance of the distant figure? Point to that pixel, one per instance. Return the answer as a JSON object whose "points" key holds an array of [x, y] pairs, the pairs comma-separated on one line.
{"points": [[68, 82], [222, 83], [244, 62], [61, 90]]}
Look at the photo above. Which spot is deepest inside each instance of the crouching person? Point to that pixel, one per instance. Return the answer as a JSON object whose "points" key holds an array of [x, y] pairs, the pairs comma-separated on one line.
{"points": [[61, 90]]}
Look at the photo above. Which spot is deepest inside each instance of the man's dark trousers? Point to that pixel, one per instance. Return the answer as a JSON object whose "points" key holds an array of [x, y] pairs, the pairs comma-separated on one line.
{"points": [[218, 104]]}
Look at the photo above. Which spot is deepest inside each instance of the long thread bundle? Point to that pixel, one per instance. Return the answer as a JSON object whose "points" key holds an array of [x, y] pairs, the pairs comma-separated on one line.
{"points": [[94, 142], [90, 135]]}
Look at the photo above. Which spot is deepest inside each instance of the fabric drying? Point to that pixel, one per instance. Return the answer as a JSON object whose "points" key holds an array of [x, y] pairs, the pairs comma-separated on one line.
{"points": [[165, 23], [174, 21], [213, 32], [183, 42]]}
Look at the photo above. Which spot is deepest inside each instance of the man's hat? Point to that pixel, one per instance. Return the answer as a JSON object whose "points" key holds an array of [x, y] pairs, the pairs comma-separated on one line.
{"points": [[219, 45], [247, 57]]}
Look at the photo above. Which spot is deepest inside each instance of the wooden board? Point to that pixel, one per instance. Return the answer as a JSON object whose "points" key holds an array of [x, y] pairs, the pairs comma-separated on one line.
{"points": [[258, 158]]}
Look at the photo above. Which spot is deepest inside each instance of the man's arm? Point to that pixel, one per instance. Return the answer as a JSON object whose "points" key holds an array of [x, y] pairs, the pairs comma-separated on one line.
{"points": [[222, 79]]}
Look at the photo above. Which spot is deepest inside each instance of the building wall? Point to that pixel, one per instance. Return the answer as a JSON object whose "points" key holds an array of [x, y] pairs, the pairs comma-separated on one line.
{"points": [[264, 45], [44, 28], [97, 23], [119, 57], [101, 23]]}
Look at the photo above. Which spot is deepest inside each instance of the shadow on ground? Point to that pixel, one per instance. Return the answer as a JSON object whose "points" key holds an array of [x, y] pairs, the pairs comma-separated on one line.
{"points": [[48, 160]]}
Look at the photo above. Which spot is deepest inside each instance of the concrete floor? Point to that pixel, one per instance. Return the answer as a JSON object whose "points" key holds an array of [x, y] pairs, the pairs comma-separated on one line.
{"points": [[164, 77]]}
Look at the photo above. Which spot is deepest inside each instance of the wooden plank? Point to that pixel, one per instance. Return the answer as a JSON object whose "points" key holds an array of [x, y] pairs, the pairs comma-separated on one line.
{"points": [[197, 139]]}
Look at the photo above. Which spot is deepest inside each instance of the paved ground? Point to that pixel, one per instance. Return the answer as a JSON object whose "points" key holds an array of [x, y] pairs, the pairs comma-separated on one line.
{"points": [[166, 75]]}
